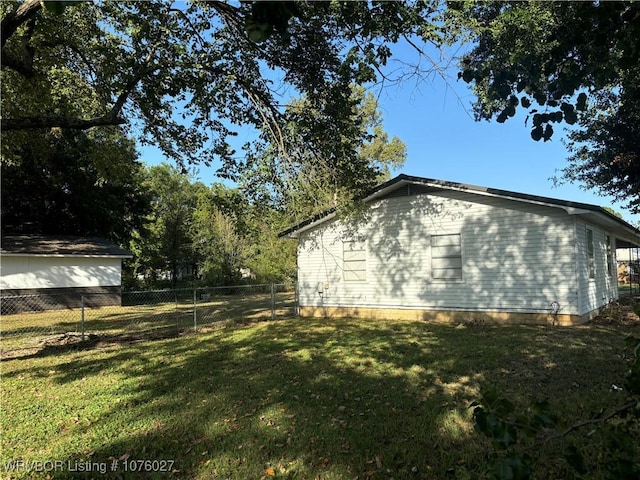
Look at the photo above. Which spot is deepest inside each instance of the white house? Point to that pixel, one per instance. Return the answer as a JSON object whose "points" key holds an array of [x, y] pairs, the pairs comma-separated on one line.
{"points": [[61, 269], [436, 250]]}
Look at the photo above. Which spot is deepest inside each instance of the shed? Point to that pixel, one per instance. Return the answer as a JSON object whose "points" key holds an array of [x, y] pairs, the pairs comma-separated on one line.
{"points": [[445, 251], [59, 271]]}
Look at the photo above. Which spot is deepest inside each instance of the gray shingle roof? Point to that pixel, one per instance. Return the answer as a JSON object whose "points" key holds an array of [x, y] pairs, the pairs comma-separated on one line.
{"points": [[60, 245], [387, 189]]}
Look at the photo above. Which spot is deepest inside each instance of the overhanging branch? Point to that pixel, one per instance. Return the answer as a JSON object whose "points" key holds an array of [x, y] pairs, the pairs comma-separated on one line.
{"points": [[14, 19], [51, 121]]}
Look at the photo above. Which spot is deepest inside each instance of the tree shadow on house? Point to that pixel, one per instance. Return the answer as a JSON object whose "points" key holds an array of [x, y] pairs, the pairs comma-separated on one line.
{"points": [[513, 259]]}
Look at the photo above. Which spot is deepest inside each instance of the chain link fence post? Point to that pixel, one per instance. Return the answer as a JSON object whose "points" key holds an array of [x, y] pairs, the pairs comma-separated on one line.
{"points": [[82, 322], [273, 302], [195, 314]]}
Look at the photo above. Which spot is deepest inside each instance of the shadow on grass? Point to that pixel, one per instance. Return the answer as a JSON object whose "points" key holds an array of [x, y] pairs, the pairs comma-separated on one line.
{"points": [[27, 330], [339, 399]]}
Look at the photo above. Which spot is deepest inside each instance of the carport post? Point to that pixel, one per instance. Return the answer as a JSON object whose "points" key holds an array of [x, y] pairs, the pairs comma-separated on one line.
{"points": [[82, 309]]}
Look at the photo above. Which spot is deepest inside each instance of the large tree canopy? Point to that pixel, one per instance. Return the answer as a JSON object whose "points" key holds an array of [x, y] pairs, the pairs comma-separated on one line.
{"points": [[570, 62], [74, 183], [183, 76], [313, 184]]}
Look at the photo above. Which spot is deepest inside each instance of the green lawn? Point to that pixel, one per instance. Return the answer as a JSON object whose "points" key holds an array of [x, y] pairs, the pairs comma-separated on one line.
{"points": [[301, 399], [29, 329]]}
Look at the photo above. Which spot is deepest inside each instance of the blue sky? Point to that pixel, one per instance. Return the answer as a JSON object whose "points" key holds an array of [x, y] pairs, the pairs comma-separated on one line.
{"points": [[433, 118]]}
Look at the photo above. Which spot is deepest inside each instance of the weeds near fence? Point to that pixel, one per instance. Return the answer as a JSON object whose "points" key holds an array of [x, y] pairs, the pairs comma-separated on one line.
{"points": [[29, 321]]}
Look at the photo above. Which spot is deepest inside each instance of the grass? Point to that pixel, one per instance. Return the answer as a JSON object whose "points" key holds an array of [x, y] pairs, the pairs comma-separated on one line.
{"points": [[25, 330], [625, 289], [301, 399]]}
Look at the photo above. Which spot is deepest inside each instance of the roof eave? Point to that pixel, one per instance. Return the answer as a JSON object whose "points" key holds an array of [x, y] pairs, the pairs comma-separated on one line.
{"points": [[60, 255], [632, 234]]}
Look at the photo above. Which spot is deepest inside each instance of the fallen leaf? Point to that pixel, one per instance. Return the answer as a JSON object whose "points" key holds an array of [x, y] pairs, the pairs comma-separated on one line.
{"points": [[271, 472]]}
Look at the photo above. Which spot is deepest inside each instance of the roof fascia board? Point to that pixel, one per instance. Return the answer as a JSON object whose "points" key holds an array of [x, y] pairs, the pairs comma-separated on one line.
{"points": [[572, 208], [295, 231], [61, 255]]}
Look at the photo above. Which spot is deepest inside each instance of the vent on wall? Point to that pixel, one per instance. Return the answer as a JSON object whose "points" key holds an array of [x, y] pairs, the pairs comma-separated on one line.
{"points": [[412, 189]]}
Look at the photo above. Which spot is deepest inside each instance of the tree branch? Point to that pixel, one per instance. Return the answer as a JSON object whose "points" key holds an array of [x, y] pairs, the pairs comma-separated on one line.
{"points": [[228, 12], [110, 119], [595, 421], [21, 61], [14, 19], [18, 65], [194, 31], [50, 121]]}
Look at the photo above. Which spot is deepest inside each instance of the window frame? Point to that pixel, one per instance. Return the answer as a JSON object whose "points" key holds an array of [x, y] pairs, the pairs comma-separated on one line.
{"points": [[360, 260], [591, 257], [609, 256], [447, 255]]}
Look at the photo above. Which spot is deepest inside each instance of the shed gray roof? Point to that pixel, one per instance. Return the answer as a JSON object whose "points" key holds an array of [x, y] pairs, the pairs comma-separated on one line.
{"points": [[44, 245], [629, 235]]}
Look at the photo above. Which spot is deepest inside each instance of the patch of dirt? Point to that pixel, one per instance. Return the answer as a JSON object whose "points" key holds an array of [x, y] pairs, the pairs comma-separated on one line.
{"points": [[622, 312], [73, 341]]}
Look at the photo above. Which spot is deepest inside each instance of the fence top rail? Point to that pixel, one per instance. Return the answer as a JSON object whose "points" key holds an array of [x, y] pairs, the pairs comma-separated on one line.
{"points": [[221, 287], [133, 292], [41, 295]]}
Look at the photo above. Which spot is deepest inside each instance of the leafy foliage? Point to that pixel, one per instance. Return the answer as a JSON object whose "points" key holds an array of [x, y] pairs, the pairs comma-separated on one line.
{"points": [[184, 76], [311, 185], [74, 183], [563, 62], [165, 245], [606, 150], [495, 417]]}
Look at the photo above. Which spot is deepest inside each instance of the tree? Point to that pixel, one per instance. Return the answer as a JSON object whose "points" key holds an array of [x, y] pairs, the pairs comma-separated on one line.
{"points": [[183, 76], [166, 244], [605, 151], [613, 212], [74, 183], [310, 185], [569, 62], [220, 234]]}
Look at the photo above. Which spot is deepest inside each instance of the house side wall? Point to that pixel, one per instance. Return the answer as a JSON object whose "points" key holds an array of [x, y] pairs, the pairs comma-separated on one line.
{"points": [[515, 257], [38, 272], [598, 291]]}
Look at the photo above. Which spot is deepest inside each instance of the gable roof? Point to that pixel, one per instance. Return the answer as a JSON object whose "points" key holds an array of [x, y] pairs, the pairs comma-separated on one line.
{"points": [[626, 234], [50, 246]]}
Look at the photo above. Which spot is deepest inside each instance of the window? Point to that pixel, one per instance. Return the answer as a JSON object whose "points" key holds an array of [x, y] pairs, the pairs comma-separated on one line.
{"points": [[354, 261], [446, 257], [610, 268], [591, 261]]}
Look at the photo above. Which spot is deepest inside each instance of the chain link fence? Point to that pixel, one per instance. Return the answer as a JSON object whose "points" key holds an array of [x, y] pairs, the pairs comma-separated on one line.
{"points": [[30, 321]]}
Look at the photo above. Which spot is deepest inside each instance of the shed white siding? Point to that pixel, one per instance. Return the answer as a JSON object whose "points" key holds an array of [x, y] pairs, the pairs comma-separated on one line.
{"points": [[514, 257], [34, 272]]}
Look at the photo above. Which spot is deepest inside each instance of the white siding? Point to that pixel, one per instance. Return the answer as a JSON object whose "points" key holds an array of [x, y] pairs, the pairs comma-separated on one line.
{"points": [[515, 257], [598, 291], [21, 272]]}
